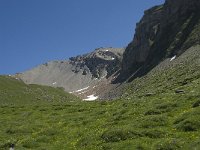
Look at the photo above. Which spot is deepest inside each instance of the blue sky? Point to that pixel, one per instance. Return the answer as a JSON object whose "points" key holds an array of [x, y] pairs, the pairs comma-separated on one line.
{"points": [[36, 31]]}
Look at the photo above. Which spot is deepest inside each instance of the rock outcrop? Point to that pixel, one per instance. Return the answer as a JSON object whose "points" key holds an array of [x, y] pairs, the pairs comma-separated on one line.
{"points": [[164, 31], [83, 75]]}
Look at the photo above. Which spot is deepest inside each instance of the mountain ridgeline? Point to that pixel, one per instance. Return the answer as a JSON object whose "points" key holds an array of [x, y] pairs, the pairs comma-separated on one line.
{"points": [[154, 81], [82, 75], [165, 31]]}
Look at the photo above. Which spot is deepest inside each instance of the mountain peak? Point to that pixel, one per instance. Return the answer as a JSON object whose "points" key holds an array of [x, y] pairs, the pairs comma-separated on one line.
{"points": [[82, 75]]}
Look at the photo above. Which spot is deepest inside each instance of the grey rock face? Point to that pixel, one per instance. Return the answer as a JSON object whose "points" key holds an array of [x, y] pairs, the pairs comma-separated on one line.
{"points": [[101, 62], [145, 33], [164, 31], [78, 74]]}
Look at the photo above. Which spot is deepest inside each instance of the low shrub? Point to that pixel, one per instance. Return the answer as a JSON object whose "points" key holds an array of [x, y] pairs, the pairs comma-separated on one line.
{"points": [[154, 121], [189, 121], [161, 108], [116, 135], [153, 112], [154, 133]]}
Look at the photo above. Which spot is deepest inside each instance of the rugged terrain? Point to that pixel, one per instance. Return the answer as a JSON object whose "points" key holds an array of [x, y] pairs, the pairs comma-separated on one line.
{"points": [[84, 75], [156, 82], [164, 31]]}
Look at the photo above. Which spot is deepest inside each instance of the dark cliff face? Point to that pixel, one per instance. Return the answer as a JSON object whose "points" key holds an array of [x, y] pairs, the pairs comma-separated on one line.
{"points": [[101, 62], [164, 31]]}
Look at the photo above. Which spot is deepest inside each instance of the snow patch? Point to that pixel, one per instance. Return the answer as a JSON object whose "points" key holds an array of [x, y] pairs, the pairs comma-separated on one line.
{"points": [[103, 76], [82, 92], [9, 75], [107, 50], [113, 58], [173, 58], [54, 83], [82, 89], [91, 98]]}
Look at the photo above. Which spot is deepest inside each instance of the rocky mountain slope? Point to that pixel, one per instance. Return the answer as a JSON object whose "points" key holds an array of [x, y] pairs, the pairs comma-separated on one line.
{"points": [[164, 31], [166, 43], [84, 75]]}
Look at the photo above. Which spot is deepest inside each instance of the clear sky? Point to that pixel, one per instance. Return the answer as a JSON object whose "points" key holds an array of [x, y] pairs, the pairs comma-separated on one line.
{"points": [[33, 32]]}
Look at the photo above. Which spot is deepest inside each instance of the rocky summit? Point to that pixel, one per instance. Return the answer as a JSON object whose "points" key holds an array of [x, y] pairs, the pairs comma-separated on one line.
{"points": [[84, 75]]}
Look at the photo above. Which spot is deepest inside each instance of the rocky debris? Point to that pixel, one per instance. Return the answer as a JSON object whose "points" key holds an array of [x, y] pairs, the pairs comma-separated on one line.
{"points": [[179, 91], [74, 75], [149, 94], [101, 62]]}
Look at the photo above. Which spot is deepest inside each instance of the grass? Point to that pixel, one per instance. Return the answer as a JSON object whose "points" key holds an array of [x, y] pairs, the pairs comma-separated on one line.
{"points": [[120, 124], [40, 117], [13, 91]]}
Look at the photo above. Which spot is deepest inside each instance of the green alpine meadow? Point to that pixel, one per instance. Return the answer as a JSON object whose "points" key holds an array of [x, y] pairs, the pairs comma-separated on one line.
{"points": [[142, 97]]}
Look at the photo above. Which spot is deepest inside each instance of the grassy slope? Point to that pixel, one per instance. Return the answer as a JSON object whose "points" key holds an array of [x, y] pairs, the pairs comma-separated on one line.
{"points": [[149, 116], [13, 91]]}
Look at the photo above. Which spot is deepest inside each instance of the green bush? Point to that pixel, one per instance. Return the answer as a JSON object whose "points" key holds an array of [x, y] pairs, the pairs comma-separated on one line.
{"points": [[154, 133], [116, 135], [161, 108], [154, 121], [153, 112], [189, 121], [189, 124]]}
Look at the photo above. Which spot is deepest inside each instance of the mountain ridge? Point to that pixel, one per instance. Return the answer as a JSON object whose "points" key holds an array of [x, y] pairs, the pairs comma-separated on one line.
{"points": [[155, 87], [165, 31], [88, 73]]}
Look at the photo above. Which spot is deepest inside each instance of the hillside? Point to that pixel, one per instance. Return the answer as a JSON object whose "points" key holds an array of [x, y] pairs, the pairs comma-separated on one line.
{"points": [[84, 75], [167, 118], [13, 91], [155, 85]]}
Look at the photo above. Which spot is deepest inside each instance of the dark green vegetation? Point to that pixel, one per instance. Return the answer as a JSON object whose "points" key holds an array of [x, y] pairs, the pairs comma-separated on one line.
{"points": [[159, 111]]}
